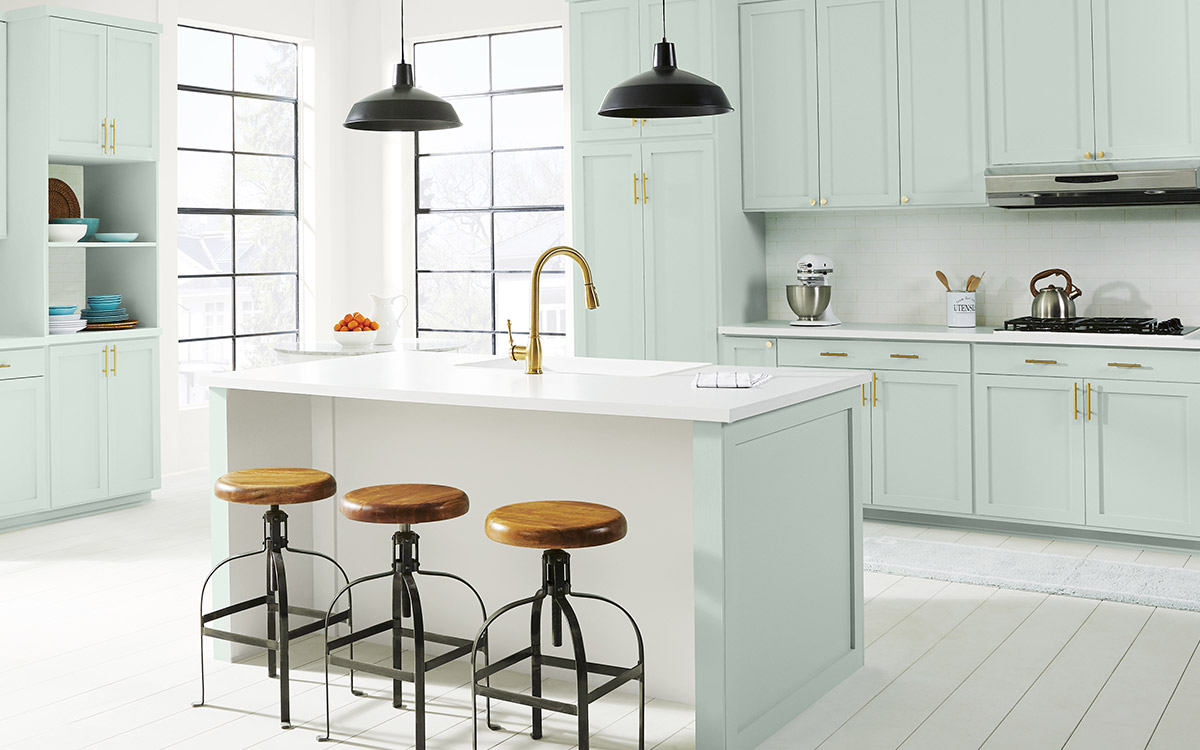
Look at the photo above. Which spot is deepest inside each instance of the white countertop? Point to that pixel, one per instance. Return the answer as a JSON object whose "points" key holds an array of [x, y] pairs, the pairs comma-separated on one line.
{"points": [[334, 349], [452, 380], [82, 337], [981, 335]]}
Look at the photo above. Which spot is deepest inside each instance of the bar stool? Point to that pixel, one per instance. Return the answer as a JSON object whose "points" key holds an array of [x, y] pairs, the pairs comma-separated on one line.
{"points": [[273, 487], [405, 505], [554, 526]]}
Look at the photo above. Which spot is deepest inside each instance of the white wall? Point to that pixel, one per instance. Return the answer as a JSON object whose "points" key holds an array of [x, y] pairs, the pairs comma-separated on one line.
{"points": [[1136, 262]]}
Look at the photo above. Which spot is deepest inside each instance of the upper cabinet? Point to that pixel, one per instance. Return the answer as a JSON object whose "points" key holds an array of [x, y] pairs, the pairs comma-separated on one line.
{"points": [[104, 91], [862, 103], [612, 40], [1089, 80]]}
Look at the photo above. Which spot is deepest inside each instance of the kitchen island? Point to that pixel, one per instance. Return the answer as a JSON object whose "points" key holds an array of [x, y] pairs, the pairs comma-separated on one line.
{"points": [[743, 560]]}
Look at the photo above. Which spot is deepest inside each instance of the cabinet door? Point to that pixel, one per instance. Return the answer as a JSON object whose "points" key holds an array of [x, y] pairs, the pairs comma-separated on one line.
{"points": [[78, 87], [1029, 448], [921, 441], [1039, 65], [859, 119], [3, 130], [779, 105], [748, 352], [1143, 473], [78, 423], [608, 231], [133, 425], [680, 251], [689, 28], [943, 147], [604, 51], [133, 93], [1147, 67], [23, 446]]}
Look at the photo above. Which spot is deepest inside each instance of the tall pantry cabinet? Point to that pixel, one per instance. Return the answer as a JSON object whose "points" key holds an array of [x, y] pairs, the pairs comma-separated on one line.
{"points": [[656, 201]]}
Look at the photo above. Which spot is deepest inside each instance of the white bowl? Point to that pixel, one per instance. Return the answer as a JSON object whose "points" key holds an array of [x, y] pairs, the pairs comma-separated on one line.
{"points": [[66, 232], [355, 339]]}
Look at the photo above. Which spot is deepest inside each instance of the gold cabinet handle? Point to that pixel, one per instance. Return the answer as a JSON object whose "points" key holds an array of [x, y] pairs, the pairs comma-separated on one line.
{"points": [[904, 199], [114, 138], [114, 367], [1089, 402], [3, 366], [1075, 398], [635, 184], [645, 188], [643, 122], [633, 122], [812, 201], [864, 392], [770, 344], [1087, 154], [1041, 361], [834, 354], [874, 390], [105, 370], [1124, 364], [104, 129], [905, 356], [1099, 154], [823, 201]]}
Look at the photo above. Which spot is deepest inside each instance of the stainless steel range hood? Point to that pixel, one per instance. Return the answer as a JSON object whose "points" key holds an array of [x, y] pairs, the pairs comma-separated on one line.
{"points": [[1063, 186]]}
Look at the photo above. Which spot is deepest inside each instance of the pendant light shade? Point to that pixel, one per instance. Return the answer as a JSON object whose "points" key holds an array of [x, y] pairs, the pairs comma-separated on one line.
{"points": [[665, 91], [403, 107]]}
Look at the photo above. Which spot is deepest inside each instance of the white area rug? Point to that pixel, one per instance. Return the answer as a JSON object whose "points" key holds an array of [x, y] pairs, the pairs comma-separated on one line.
{"points": [[1151, 585]]}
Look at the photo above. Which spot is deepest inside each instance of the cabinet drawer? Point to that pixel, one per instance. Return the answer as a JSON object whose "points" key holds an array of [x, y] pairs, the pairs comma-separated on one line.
{"points": [[874, 355], [1088, 362], [22, 363]]}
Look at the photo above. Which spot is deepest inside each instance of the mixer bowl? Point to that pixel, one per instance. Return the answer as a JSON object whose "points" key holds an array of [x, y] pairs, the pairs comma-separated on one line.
{"points": [[808, 302]]}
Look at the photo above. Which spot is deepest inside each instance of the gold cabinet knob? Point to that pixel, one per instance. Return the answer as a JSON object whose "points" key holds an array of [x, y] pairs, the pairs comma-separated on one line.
{"points": [[1099, 154], [770, 344], [823, 201], [904, 199], [812, 202], [1087, 154]]}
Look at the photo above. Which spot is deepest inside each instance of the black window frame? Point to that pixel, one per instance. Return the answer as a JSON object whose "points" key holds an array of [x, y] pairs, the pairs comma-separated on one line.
{"points": [[233, 212]]}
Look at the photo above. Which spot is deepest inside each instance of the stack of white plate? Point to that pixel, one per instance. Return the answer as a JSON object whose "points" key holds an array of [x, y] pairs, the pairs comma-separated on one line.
{"points": [[66, 319]]}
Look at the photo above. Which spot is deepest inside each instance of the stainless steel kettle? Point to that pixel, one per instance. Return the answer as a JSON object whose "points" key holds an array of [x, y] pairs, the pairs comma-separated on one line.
{"points": [[1053, 302]]}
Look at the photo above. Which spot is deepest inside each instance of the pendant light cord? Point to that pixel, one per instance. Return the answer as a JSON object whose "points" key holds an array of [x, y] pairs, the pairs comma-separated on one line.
{"points": [[664, 14], [402, 60]]}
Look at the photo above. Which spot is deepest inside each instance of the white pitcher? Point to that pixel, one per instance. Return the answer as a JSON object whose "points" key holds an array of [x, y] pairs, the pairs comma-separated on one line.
{"points": [[388, 317]]}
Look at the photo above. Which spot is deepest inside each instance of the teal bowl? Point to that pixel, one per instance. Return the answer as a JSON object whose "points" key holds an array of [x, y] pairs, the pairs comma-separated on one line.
{"points": [[92, 226]]}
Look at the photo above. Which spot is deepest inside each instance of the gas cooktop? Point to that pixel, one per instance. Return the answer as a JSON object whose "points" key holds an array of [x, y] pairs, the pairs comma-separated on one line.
{"points": [[1151, 326]]}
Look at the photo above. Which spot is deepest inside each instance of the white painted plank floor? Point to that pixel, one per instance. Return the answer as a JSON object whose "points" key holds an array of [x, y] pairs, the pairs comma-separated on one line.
{"points": [[99, 651]]}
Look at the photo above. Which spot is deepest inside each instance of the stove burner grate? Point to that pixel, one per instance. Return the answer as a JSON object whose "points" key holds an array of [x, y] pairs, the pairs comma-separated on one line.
{"points": [[1171, 327]]}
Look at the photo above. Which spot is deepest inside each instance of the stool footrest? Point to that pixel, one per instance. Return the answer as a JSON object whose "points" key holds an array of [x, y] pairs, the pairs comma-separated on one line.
{"points": [[358, 635], [527, 700], [233, 609], [371, 668], [318, 614], [592, 667], [248, 640], [504, 663], [449, 656], [629, 674], [316, 625]]}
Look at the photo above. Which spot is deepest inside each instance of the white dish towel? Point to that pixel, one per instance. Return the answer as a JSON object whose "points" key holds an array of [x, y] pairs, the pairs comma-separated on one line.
{"points": [[729, 379]]}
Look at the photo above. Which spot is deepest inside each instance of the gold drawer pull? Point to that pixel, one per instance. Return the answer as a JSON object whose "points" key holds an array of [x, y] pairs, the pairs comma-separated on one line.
{"points": [[1123, 364], [906, 356], [834, 354], [1041, 361], [3, 366]]}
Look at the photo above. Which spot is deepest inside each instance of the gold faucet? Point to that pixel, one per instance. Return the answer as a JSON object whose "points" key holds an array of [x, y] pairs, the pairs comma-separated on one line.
{"points": [[532, 354]]}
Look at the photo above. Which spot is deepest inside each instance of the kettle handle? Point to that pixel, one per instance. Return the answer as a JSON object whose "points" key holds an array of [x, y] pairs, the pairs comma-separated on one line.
{"points": [[1071, 290]]}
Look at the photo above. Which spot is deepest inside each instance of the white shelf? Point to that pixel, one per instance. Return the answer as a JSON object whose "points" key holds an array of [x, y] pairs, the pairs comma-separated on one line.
{"points": [[103, 244]]}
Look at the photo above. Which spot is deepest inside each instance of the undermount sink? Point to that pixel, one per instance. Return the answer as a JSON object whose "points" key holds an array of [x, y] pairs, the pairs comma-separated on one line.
{"points": [[636, 368]]}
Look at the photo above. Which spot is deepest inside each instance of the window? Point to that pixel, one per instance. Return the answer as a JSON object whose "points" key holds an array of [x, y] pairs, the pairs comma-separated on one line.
{"points": [[490, 194], [239, 290]]}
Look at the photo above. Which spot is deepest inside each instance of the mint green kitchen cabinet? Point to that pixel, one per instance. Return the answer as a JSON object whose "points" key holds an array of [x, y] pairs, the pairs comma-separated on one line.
{"points": [[1029, 448], [1039, 83], [780, 152], [612, 40], [943, 125], [648, 224], [1143, 472], [921, 441], [857, 107], [103, 91], [1147, 78], [23, 446], [104, 405], [748, 352]]}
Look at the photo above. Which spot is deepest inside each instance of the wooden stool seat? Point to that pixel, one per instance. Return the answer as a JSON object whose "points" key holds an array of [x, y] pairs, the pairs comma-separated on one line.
{"points": [[404, 503], [556, 524], [280, 486]]}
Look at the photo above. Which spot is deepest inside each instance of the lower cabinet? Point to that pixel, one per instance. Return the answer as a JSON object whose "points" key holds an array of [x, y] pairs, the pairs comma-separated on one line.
{"points": [[104, 411], [748, 352], [23, 446], [921, 441]]}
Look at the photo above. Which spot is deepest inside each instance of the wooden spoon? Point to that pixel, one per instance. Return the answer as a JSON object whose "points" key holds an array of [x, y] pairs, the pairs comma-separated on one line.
{"points": [[942, 278], [974, 283]]}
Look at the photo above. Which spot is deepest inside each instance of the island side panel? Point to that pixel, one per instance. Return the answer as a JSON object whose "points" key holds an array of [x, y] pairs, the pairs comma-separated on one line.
{"points": [[779, 566]]}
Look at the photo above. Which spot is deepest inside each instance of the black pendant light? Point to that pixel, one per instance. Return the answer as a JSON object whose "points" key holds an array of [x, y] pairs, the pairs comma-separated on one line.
{"points": [[403, 107], [665, 90]]}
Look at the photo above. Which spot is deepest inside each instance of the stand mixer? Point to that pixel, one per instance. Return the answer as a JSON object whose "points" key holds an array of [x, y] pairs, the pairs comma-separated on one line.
{"points": [[809, 298]]}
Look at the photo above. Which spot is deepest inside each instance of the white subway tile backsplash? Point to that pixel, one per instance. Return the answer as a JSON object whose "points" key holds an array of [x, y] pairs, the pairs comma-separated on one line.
{"points": [[1129, 262]]}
